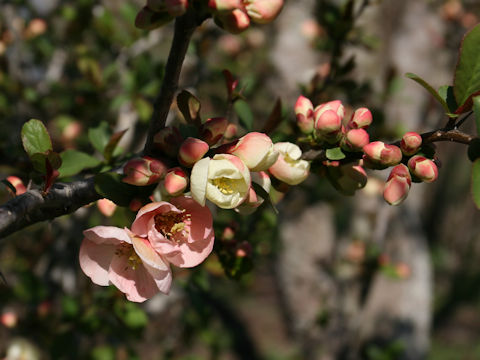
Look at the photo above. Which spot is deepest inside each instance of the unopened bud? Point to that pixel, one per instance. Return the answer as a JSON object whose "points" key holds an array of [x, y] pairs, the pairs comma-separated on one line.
{"points": [[234, 21], [175, 182], [263, 11], [328, 122], [361, 119], [355, 140], [143, 171], [411, 143], [423, 168], [225, 5], [168, 141], [192, 150], [106, 207], [304, 114], [213, 130], [380, 154], [397, 185], [244, 249]]}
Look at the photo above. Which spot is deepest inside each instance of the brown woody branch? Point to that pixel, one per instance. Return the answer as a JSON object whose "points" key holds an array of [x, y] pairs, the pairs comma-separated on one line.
{"points": [[34, 206]]}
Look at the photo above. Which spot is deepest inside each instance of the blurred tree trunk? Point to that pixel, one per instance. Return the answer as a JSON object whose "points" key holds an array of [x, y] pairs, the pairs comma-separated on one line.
{"points": [[335, 308]]}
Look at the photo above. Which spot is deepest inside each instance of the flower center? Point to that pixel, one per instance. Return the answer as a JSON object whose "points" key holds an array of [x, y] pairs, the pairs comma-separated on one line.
{"points": [[225, 185], [171, 223], [133, 259]]}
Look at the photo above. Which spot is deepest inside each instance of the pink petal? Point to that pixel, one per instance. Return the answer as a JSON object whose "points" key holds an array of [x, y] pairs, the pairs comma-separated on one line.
{"points": [[107, 235], [141, 224], [95, 260], [148, 255], [137, 284], [201, 218], [192, 254]]}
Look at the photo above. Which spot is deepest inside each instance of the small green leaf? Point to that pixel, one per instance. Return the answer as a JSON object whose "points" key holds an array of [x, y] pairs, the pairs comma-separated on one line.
{"points": [[476, 112], [190, 107], [39, 160], [476, 183], [99, 136], [74, 161], [446, 93], [430, 89], [35, 137], [245, 114], [467, 72], [335, 154], [112, 144]]}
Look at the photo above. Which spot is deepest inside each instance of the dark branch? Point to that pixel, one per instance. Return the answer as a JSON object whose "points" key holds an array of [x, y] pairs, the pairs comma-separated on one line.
{"points": [[33, 206], [184, 28]]}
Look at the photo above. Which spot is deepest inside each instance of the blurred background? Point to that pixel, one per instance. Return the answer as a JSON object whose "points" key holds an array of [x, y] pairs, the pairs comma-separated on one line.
{"points": [[330, 276]]}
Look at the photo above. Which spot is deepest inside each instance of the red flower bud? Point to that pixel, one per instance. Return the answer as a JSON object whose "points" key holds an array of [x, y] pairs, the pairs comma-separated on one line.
{"points": [[410, 143], [423, 168], [213, 130], [143, 171], [234, 21], [397, 185], [381, 154], [361, 119], [304, 114], [175, 182], [263, 11], [192, 150], [17, 183], [355, 140]]}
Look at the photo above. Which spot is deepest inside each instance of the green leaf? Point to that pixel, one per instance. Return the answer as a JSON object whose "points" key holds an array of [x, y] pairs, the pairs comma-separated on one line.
{"points": [[190, 107], [112, 144], [39, 160], [99, 136], [467, 72], [476, 183], [429, 88], [446, 93], [35, 137], [335, 154], [476, 112], [74, 161], [245, 114]]}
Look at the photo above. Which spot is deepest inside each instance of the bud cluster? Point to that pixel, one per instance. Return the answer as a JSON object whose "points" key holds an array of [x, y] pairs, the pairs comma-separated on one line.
{"points": [[325, 128]]}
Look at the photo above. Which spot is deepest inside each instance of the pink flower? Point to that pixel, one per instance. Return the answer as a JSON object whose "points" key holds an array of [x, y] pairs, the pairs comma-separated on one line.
{"points": [[304, 114], [192, 150], [112, 255], [181, 231]]}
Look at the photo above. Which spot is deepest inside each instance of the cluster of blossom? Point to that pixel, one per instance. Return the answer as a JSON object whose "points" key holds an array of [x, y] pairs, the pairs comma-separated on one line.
{"points": [[178, 230], [325, 127], [234, 16]]}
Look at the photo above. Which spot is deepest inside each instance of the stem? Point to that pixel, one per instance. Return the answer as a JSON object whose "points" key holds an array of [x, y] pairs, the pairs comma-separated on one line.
{"points": [[448, 135], [184, 27]]}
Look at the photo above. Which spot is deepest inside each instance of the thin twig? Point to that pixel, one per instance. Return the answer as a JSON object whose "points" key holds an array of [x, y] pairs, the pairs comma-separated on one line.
{"points": [[184, 27]]}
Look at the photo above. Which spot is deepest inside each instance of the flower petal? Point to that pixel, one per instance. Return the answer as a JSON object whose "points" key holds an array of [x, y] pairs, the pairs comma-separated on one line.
{"points": [[149, 256], [141, 224], [95, 260], [198, 180], [107, 235]]}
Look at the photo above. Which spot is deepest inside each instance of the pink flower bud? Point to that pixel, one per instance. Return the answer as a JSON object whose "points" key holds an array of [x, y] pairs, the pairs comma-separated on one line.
{"points": [[175, 182], [244, 249], [230, 132], [192, 150], [228, 233], [17, 183], [225, 5], [143, 171], [328, 122], [234, 21], [397, 185], [304, 114], [335, 105], [106, 207], [213, 130], [263, 11], [9, 319], [255, 149], [168, 141], [410, 143], [348, 178], [176, 7], [423, 168], [361, 119], [355, 140], [381, 154]]}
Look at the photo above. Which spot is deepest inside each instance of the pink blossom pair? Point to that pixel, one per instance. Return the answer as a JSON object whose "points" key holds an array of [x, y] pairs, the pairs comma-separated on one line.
{"points": [[137, 260]]}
